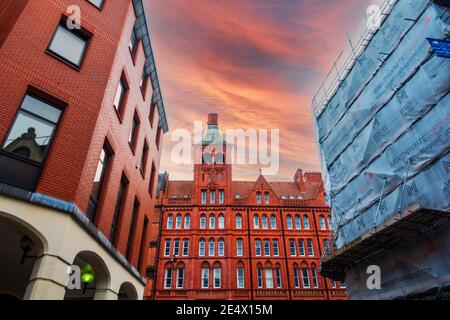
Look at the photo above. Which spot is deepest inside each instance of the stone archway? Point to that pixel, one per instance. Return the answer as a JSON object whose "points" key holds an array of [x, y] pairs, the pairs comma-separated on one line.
{"points": [[99, 288], [21, 246], [127, 291]]}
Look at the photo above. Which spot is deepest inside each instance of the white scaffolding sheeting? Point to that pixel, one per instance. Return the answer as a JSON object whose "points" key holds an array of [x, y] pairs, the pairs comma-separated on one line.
{"points": [[383, 126]]}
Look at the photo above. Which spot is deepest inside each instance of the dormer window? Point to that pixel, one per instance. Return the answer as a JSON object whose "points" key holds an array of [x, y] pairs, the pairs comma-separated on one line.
{"points": [[283, 197], [291, 198], [299, 197], [237, 196]]}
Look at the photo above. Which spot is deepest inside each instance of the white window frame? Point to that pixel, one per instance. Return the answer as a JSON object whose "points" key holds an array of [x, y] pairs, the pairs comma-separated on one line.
{"points": [[217, 278], [221, 248], [211, 247], [258, 249], [205, 277], [239, 247], [240, 278], [168, 275], [202, 248], [268, 274], [180, 278]]}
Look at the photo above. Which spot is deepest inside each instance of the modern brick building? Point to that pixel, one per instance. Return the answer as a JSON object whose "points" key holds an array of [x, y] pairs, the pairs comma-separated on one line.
{"points": [[81, 126], [225, 239]]}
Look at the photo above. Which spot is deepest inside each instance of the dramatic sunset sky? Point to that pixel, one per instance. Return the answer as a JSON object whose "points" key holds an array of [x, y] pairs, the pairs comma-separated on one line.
{"points": [[256, 63]]}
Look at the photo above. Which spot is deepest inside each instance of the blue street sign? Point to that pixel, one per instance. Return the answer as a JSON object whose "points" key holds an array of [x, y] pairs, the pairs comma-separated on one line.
{"points": [[441, 47]]}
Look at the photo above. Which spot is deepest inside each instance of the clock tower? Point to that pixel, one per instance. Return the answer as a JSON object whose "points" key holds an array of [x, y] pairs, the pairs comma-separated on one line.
{"points": [[212, 173]]}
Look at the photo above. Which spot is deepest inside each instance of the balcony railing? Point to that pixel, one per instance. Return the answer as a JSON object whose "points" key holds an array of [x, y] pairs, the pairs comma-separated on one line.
{"points": [[178, 201], [271, 293]]}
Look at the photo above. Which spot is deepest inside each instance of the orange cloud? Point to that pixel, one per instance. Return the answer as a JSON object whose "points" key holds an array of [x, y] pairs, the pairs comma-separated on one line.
{"points": [[256, 62]]}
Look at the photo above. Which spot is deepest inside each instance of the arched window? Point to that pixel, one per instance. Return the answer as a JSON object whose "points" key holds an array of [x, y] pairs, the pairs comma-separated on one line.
{"points": [[178, 221], [276, 248], [259, 272], [330, 223], [185, 247], [315, 281], [212, 246], [278, 275], [296, 276], [238, 221], [322, 223], [273, 222], [305, 278], [267, 247], [212, 222], [268, 274], [168, 276], [176, 248], [258, 247], [170, 222], [298, 223], [240, 275], [221, 222], [221, 247], [306, 222], [202, 221], [266, 198], [309, 243], [180, 276], [205, 275], [289, 222], [201, 248], [256, 221], [292, 248], [265, 223], [301, 247], [187, 221], [168, 242], [239, 247], [217, 273], [258, 198]]}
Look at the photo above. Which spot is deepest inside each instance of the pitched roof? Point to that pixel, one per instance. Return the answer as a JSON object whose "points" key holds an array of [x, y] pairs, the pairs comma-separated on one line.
{"points": [[244, 188], [179, 188]]}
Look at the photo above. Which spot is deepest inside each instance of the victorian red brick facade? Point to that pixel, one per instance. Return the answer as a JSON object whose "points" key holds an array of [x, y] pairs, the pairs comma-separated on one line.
{"points": [[215, 238]]}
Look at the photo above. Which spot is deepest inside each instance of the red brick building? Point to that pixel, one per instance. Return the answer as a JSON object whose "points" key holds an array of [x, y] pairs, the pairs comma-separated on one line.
{"points": [[81, 126], [225, 239]]}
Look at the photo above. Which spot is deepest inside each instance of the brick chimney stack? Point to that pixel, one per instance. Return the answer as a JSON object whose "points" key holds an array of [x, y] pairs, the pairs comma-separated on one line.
{"points": [[213, 119]]}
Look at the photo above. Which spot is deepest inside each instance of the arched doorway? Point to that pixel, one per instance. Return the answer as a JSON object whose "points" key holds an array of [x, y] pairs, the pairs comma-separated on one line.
{"points": [[127, 291], [92, 287], [21, 246]]}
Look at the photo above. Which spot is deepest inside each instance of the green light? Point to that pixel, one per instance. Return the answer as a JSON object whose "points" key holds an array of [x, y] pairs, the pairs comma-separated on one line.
{"points": [[87, 274]]}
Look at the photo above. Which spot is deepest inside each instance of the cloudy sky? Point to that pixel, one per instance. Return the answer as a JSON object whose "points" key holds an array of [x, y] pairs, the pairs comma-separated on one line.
{"points": [[257, 63]]}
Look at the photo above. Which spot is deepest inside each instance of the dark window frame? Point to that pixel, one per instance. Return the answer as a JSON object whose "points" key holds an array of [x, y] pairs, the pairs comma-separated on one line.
{"points": [[118, 209], [104, 181], [144, 159], [47, 99], [151, 116], [135, 45], [134, 131], [132, 229], [82, 33], [120, 110], [101, 6], [153, 176]]}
